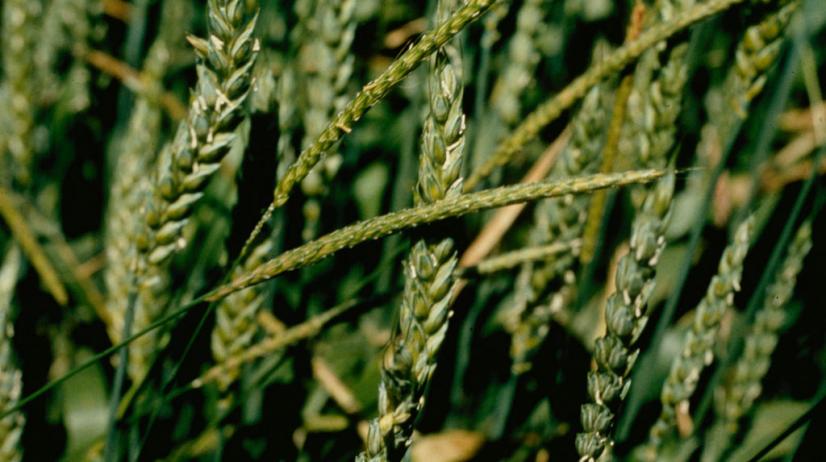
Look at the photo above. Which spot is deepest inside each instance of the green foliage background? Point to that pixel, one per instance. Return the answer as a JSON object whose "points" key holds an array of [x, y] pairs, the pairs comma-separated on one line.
{"points": [[75, 72]]}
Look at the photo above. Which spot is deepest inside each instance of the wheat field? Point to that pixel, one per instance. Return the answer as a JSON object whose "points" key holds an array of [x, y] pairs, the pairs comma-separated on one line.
{"points": [[449, 230]]}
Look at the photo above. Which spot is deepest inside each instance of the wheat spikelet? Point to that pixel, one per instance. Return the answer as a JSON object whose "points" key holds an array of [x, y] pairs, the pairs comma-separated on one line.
{"points": [[698, 345], [186, 165], [11, 385], [20, 26]]}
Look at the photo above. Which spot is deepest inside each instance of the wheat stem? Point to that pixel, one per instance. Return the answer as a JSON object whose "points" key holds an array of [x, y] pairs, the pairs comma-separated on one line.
{"points": [[22, 233], [518, 257], [230, 364]]}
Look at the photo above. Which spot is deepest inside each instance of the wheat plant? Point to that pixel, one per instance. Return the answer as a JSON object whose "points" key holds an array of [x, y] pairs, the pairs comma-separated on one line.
{"points": [[392, 230]]}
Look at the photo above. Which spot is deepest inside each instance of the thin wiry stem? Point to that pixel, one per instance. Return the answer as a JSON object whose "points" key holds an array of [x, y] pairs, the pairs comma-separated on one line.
{"points": [[384, 225], [548, 111], [230, 364], [515, 258], [369, 95]]}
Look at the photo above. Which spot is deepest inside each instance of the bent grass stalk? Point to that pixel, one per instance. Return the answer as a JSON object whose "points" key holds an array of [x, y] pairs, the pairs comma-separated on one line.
{"points": [[384, 225], [355, 234], [369, 95], [548, 111]]}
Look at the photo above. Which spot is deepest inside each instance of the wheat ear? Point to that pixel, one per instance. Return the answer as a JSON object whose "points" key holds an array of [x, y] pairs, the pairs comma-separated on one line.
{"points": [[20, 26], [135, 155], [743, 387], [186, 165], [11, 383], [523, 57], [332, 62], [625, 318], [429, 270], [698, 346], [235, 318]]}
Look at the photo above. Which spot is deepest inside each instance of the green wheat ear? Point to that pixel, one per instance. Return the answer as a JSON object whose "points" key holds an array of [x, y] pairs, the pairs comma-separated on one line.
{"points": [[135, 155], [11, 382], [743, 386], [235, 318], [698, 346], [20, 26], [333, 28], [189, 162], [625, 317], [429, 280], [523, 58]]}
